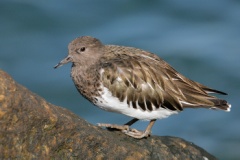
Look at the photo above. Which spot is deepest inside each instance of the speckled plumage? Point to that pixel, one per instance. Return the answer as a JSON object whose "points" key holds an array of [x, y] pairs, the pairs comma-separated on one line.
{"points": [[139, 82]]}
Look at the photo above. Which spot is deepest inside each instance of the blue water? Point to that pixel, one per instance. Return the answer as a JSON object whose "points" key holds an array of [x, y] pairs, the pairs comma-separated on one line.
{"points": [[201, 39]]}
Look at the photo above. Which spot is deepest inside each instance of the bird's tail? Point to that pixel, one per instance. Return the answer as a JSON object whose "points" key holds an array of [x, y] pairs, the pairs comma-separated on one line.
{"points": [[220, 104], [217, 103]]}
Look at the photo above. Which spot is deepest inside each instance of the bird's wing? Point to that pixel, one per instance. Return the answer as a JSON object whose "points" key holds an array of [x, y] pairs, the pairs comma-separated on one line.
{"points": [[147, 82]]}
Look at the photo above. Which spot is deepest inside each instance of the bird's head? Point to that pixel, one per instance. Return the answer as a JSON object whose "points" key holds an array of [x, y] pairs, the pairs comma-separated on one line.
{"points": [[83, 50]]}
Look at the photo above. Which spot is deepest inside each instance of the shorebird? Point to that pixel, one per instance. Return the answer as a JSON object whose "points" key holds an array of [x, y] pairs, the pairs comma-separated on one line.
{"points": [[134, 82]]}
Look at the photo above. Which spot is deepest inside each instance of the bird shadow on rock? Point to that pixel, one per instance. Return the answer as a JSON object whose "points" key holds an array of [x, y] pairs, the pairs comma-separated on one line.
{"points": [[32, 128]]}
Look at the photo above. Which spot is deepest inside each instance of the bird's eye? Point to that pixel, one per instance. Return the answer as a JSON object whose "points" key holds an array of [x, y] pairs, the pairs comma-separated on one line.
{"points": [[82, 49]]}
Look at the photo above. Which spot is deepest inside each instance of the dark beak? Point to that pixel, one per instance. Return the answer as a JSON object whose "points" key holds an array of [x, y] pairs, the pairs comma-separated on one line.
{"points": [[64, 61]]}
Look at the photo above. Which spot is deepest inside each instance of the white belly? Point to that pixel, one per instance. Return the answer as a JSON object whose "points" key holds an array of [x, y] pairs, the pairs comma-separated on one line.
{"points": [[112, 104]]}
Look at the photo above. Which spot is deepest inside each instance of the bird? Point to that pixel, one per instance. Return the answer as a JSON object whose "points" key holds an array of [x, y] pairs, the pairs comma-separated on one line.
{"points": [[134, 82]]}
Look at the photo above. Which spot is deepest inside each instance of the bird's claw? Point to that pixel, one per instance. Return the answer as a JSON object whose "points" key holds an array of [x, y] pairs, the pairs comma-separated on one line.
{"points": [[126, 130]]}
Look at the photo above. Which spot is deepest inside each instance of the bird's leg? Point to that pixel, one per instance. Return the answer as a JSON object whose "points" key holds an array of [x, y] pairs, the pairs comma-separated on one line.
{"points": [[122, 128], [131, 122], [139, 134]]}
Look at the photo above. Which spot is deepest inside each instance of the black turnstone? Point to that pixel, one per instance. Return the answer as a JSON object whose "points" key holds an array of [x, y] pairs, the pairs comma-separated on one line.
{"points": [[134, 82]]}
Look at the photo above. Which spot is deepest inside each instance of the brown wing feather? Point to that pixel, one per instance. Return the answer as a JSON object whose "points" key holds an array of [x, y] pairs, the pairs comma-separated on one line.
{"points": [[148, 83]]}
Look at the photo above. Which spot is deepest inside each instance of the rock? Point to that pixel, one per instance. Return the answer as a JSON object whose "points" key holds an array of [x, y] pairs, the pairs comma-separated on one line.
{"points": [[31, 128]]}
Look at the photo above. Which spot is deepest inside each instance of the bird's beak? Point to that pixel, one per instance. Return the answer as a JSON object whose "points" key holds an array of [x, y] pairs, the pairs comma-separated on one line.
{"points": [[64, 61]]}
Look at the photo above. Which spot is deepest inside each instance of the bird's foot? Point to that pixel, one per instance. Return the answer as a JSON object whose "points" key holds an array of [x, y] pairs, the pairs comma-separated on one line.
{"points": [[114, 126], [136, 133], [126, 130]]}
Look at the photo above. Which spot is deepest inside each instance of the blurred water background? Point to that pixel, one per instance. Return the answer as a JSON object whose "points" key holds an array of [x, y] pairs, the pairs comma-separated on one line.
{"points": [[201, 39]]}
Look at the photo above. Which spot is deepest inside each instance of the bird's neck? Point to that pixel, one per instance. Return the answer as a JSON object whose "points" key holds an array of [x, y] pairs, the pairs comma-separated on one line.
{"points": [[80, 72], [85, 78]]}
